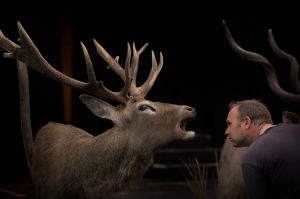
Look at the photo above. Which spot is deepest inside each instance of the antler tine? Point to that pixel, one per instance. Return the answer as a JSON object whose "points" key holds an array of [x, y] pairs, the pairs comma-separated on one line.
{"points": [[113, 63], [99, 86], [7, 45], [29, 54], [128, 61], [155, 70], [294, 72], [251, 56], [290, 98], [115, 66], [89, 65], [135, 61], [134, 68], [128, 75]]}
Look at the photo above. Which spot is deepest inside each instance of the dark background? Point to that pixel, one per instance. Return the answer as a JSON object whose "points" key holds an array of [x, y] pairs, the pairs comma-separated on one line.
{"points": [[200, 69]]}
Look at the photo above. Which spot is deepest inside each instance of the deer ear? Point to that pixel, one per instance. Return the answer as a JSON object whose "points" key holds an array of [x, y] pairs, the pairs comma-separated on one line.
{"points": [[99, 107]]}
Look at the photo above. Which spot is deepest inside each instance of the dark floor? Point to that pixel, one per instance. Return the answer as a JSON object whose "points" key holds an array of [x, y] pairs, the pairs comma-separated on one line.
{"points": [[149, 188]]}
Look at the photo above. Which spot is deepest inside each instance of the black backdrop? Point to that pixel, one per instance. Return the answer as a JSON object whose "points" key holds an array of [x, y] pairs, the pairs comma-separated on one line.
{"points": [[200, 69]]}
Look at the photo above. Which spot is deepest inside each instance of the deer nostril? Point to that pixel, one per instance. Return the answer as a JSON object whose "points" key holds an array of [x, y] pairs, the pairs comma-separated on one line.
{"points": [[191, 109]]}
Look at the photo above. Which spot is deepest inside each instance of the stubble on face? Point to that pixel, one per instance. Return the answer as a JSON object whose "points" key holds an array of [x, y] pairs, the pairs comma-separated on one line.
{"points": [[234, 127]]}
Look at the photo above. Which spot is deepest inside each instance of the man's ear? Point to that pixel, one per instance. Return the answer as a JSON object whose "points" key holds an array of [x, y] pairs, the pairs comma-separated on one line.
{"points": [[247, 122]]}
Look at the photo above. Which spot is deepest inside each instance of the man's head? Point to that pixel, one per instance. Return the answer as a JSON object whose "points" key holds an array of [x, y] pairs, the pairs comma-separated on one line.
{"points": [[244, 121]]}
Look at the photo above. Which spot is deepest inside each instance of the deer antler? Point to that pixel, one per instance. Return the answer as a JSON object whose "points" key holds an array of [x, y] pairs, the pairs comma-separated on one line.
{"points": [[294, 72], [133, 64], [30, 55], [288, 97]]}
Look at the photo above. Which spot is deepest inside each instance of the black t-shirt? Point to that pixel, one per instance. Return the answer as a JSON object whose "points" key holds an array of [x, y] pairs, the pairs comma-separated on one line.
{"points": [[271, 165]]}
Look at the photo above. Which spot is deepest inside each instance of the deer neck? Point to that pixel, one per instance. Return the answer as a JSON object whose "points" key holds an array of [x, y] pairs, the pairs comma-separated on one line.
{"points": [[120, 142], [128, 160]]}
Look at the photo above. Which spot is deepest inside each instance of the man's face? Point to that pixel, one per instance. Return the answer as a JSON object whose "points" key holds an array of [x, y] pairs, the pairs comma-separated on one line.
{"points": [[235, 128]]}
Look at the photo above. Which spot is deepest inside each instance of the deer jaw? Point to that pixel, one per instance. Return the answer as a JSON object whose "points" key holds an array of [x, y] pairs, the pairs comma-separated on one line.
{"points": [[156, 124], [147, 123]]}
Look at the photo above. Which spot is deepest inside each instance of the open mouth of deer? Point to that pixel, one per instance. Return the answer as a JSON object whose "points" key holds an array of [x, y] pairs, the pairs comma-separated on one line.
{"points": [[187, 134]]}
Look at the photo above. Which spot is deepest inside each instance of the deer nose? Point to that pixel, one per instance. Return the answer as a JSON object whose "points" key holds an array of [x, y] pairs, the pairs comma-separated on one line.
{"points": [[191, 109]]}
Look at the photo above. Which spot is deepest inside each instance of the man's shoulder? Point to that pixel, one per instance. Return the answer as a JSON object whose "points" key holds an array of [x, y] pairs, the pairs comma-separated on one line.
{"points": [[254, 152]]}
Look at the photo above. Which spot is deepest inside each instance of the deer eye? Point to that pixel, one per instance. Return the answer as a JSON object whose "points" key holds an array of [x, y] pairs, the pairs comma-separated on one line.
{"points": [[144, 107]]}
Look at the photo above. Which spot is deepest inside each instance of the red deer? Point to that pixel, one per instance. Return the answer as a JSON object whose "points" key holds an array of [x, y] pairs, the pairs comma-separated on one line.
{"points": [[67, 162], [230, 183]]}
